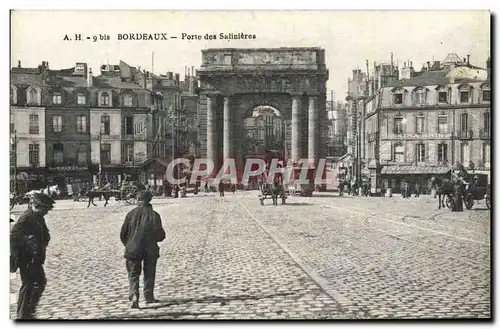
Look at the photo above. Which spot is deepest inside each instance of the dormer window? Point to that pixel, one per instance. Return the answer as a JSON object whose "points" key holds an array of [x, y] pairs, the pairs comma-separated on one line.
{"points": [[465, 92], [485, 92], [104, 99], [128, 100], [56, 98], [33, 96], [419, 96], [13, 95], [398, 96], [442, 95], [81, 99]]}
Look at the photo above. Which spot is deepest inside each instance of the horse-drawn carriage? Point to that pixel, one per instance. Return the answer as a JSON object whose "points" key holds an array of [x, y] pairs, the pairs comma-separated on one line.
{"points": [[272, 191], [476, 190], [475, 187]]}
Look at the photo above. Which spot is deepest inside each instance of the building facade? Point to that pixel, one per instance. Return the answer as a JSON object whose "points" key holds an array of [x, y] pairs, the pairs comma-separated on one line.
{"points": [[427, 122]]}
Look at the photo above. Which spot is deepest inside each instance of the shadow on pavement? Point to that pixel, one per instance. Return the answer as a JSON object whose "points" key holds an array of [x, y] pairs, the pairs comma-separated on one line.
{"points": [[480, 209], [297, 204], [212, 299], [158, 315]]}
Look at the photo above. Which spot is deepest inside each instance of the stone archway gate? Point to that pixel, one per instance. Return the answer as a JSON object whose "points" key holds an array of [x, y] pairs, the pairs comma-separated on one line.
{"points": [[234, 81]]}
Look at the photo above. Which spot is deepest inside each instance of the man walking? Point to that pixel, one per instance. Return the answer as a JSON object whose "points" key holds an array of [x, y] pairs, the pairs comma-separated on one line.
{"points": [[221, 188], [29, 239], [140, 234]]}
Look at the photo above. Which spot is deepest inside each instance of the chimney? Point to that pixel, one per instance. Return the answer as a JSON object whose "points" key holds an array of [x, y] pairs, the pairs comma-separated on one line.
{"points": [[19, 64], [465, 61], [185, 72], [90, 79], [191, 84], [468, 59], [428, 65], [411, 64], [177, 77]]}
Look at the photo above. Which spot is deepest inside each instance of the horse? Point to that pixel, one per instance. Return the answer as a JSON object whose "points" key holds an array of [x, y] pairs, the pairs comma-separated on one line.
{"points": [[443, 187], [50, 191], [91, 194]]}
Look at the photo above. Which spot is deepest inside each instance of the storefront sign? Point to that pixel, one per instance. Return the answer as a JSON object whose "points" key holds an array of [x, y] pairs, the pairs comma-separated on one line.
{"points": [[423, 136], [68, 168]]}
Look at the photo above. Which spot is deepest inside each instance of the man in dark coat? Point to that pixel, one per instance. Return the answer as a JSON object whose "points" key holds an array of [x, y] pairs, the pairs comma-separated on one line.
{"points": [[140, 234], [221, 188], [29, 239]]}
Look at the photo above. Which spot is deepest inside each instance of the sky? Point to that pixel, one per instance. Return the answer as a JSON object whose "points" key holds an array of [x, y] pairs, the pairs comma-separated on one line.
{"points": [[348, 37]]}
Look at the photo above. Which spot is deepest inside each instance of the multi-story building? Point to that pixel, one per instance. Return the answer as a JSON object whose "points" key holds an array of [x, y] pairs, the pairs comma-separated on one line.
{"points": [[426, 122], [27, 125], [337, 129], [121, 124], [67, 125], [190, 107]]}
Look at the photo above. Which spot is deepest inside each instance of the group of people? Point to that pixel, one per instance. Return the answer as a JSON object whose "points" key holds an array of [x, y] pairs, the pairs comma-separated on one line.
{"points": [[140, 233]]}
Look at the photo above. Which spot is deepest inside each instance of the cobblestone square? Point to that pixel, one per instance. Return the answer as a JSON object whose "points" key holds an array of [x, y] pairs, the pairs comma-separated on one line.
{"points": [[324, 257]]}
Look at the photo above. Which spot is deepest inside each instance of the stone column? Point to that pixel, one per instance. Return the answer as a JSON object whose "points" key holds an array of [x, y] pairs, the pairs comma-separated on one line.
{"points": [[228, 135], [212, 128], [296, 100], [313, 131]]}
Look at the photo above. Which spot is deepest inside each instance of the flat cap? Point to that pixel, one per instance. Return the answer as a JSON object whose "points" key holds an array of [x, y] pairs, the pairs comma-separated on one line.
{"points": [[144, 196], [40, 199]]}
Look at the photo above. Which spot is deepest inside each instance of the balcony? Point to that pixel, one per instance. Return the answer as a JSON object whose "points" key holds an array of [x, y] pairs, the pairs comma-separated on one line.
{"points": [[485, 134], [465, 134]]}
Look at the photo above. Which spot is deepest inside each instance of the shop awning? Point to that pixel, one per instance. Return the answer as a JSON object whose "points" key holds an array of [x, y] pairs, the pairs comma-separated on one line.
{"points": [[149, 162], [414, 170]]}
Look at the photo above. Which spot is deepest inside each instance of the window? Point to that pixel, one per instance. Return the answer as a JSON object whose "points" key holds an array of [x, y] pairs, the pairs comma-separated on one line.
{"points": [[399, 153], [398, 99], [57, 123], [58, 151], [105, 153], [129, 125], [81, 124], [420, 152], [398, 125], [464, 96], [486, 121], [13, 96], [12, 123], [486, 153], [56, 98], [34, 128], [420, 125], [127, 100], [464, 154], [13, 150], [420, 96], [442, 124], [486, 95], [82, 154], [33, 96], [128, 153], [443, 152], [464, 122], [443, 97], [105, 125], [81, 99], [104, 99], [34, 154]]}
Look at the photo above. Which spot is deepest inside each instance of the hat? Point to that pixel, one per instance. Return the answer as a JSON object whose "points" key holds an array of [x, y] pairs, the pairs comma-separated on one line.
{"points": [[43, 200], [144, 196]]}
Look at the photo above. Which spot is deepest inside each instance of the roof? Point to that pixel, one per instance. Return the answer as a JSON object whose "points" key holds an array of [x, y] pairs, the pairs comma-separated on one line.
{"points": [[24, 79], [409, 169], [146, 163], [427, 78], [114, 82]]}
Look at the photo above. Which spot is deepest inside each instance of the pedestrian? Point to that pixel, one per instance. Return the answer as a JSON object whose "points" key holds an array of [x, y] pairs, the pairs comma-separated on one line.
{"points": [[221, 188], [29, 239], [417, 189], [176, 191], [233, 188], [140, 234]]}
